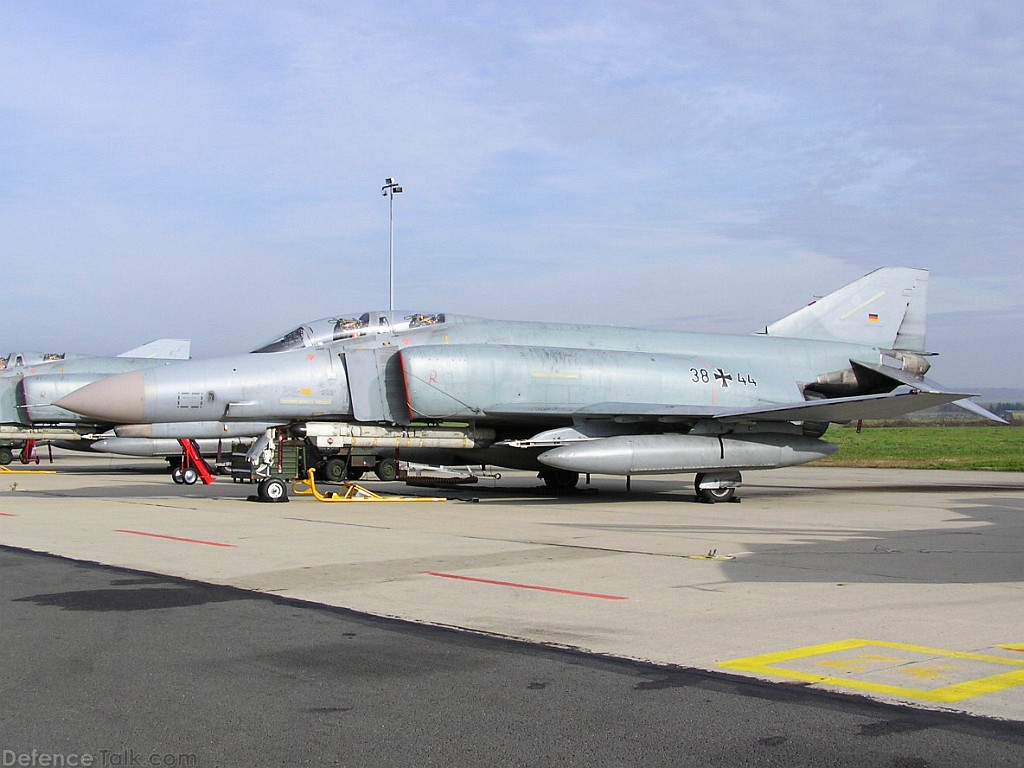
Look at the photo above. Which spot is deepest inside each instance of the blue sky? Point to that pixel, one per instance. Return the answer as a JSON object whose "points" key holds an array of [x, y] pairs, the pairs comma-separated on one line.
{"points": [[213, 170]]}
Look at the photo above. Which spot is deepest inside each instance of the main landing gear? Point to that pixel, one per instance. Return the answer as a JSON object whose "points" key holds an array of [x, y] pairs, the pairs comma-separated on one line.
{"points": [[715, 487], [559, 479]]}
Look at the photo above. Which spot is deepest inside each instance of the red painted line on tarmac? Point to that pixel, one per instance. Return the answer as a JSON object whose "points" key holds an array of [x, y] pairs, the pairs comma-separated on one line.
{"points": [[174, 538], [7, 514], [571, 592]]}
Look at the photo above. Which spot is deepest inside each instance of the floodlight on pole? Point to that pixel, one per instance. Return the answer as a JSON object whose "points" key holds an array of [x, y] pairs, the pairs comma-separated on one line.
{"points": [[389, 190]]}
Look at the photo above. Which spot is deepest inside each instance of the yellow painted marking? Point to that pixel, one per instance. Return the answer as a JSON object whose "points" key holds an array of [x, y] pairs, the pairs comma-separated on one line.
{"points": [[1013, 646], [866, 303], [770, 664], [305, 392], [9, 471]]}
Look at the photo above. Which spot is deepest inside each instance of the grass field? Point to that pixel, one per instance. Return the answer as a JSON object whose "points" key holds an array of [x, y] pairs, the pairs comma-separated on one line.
{"points": [[930, 447]]}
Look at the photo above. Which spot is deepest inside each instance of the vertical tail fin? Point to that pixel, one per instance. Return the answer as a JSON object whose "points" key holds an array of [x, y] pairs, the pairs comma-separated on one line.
{"points": [[162, 349], [884, 309]]}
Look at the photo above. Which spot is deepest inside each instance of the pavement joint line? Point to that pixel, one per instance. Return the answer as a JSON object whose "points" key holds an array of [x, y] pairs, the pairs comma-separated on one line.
{"points": [[611, 550], [340, 522]]}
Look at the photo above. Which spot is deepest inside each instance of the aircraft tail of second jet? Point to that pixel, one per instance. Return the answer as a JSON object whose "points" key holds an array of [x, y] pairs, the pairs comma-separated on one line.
{"points": [[884, 309], [163, 349]]}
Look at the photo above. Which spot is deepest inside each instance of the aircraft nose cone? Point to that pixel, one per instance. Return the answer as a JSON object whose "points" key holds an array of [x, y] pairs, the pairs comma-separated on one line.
{"points": [[118, 399]]}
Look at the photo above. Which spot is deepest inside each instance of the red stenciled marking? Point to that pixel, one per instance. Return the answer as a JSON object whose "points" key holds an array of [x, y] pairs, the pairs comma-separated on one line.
{"points": [[405, 383], [572, 592], [7, 514], [174, 538]]}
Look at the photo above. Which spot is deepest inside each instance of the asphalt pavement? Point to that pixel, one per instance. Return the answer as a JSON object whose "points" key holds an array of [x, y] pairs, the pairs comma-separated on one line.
{"points": [[103, 666]]}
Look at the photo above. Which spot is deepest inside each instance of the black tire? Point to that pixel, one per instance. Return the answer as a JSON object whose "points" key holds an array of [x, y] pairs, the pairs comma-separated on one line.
{"points": [[272, 489], [176, 475], [334, 471], [386, 470], [6, 455], [190, 476], [716, 495], [560, 479], [712, 495]]}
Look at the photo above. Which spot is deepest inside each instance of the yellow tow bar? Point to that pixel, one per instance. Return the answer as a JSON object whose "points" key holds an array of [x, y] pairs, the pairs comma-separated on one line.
{"points": [[352, 492]]}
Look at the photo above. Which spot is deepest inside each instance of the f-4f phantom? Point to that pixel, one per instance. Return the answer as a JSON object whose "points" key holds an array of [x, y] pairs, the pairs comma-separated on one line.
{"points": [[31, 383], [564, 399]]}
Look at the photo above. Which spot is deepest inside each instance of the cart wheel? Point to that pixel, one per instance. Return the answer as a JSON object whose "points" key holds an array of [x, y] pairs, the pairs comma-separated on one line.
{"points": [[334, 470], [189, 476], [386, 469], [176, 475]]}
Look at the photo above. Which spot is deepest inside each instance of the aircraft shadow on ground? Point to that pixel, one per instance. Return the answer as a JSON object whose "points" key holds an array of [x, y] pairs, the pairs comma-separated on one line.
{"points": [[992, 552]]}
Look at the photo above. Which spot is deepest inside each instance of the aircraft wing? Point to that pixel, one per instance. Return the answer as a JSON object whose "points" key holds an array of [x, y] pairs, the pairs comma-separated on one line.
{"points": [[839, 409], [843, 409]]}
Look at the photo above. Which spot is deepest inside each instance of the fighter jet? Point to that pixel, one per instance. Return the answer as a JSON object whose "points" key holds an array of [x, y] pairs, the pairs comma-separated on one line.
{"points": [[31, 383], [564, 399]]}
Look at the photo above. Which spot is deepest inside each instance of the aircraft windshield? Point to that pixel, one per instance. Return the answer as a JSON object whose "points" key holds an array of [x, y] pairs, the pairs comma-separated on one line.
{"points": [[19, 359], [329, 329]]}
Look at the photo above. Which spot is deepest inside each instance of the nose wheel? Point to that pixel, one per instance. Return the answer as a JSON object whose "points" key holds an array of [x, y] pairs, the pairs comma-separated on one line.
{"points": [[272, 489]]}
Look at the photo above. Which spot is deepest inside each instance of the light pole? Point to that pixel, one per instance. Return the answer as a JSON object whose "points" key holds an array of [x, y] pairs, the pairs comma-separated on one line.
{"points": [[389, 190]]}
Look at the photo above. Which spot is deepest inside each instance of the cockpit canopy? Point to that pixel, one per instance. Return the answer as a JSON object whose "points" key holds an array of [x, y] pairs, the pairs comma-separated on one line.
{"points": [[20, 359], [330, 329]]}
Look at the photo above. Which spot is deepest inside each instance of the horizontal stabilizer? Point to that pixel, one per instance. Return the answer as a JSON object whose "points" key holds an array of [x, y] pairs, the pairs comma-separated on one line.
{"points": [[916, 382], [163, 349]]}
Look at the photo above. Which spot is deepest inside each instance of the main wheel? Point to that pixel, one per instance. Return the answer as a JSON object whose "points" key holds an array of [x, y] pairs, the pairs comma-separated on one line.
{"points": [[386, 469], [715, 495], [6, 455], [712, 495], [272, 489], [560, 479]]}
